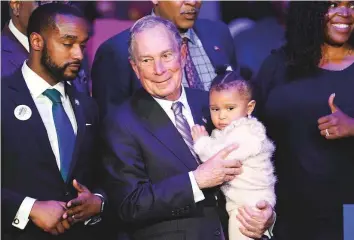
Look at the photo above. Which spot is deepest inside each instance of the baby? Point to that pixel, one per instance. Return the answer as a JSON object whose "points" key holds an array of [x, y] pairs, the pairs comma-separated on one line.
{"points": [[231, 106]]}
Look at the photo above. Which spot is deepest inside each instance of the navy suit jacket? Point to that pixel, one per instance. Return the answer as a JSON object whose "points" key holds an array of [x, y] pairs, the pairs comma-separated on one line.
{"points": [[13, 54], [28, 165], [147, 164], [113, 79]]}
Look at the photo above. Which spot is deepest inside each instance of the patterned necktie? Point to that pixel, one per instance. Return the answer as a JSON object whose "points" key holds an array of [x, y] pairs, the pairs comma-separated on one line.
{"points": [[183, 127], [192, 75], [64, 129]]}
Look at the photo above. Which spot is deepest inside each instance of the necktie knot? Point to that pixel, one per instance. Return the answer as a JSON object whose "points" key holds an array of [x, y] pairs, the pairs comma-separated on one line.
{"points": [[185, 40], [53, 95], [177, 108]]}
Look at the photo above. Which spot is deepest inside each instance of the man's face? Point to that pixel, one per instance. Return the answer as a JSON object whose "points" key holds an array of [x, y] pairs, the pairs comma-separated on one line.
{"points": [[24, 9], [158, 62], [63, 47], [182, 13]]}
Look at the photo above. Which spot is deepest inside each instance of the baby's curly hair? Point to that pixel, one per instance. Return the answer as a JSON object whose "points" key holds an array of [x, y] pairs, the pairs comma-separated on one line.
{"points": [[305, 34], [231, 79]]}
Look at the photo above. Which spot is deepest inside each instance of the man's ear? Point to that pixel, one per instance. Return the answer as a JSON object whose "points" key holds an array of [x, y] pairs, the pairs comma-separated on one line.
{"points": [[36, 41], [15, 7], [135, 67], [250, 106]]}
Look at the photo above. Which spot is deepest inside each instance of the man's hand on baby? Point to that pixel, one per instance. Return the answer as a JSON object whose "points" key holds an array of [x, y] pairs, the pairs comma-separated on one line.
{"points": [[216, 170], [256, 221], [198, 132]]}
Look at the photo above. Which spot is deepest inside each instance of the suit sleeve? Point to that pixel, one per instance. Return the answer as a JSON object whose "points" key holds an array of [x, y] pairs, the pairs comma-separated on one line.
{"points": [[113, 80], [228, 43], [133, 195], [232, 52], [10, 204]]}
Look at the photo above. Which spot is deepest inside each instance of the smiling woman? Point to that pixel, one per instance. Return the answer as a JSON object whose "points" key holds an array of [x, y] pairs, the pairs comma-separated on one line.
{"points": [[304, 95]]}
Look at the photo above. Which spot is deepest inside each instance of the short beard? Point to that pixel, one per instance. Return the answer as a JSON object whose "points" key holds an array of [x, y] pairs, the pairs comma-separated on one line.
{"points": [[54, 70]]}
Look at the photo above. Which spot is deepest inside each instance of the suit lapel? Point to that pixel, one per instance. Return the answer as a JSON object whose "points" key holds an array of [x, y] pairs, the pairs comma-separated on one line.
{"points": [[12, 45], [76, 102], [212, 45], [20, 95], [159, 124], [200, 108]]}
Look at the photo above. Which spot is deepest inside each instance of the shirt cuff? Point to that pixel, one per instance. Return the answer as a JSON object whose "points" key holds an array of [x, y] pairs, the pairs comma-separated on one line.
{"points": [[21, 219], [95, 219], [269, 233], [197, 193]]}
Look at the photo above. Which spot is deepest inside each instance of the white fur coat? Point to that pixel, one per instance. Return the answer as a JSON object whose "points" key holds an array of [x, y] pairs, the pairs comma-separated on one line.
{"points": [[255, 150]]}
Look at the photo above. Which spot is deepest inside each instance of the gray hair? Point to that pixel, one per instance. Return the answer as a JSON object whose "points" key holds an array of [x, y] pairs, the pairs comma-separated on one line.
{"points": [[149, 22]]}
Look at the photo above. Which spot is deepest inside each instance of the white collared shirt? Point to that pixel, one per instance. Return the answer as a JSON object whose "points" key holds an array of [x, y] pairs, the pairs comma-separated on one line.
{"points": [[22, 38], [186, 111], [37, 86]]}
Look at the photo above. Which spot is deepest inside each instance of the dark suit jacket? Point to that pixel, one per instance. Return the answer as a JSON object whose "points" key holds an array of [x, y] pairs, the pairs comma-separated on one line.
{"points": [[13, 54], [113, 79], [147, 164], [28, 165]]}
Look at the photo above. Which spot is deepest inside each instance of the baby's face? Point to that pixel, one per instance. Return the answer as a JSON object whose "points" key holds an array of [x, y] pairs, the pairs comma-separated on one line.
{"points": [[227, 106]]}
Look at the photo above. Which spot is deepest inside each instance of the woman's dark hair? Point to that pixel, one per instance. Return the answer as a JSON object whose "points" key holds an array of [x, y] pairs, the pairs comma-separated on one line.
{"points": [[231, 79], [305, 34]]}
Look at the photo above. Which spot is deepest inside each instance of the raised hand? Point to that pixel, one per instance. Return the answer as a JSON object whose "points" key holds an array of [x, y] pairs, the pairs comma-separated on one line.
{"points": [[198, 131], [217, 170], [84, 206], [336, 125]]}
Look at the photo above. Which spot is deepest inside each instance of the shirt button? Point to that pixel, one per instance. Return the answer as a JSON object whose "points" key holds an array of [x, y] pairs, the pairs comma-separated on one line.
{"points": [[67, 194]]}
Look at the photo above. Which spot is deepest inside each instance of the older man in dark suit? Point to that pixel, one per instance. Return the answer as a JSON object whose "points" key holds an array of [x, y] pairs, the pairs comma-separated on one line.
{"points": [[49, 136], [155, 180], [15, 45], [210, 47]]}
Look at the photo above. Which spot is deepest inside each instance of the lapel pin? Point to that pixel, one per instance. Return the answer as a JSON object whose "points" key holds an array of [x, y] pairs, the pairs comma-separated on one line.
{"points": [[216, 48], [204, 120], [77, 102], [22, 112]]}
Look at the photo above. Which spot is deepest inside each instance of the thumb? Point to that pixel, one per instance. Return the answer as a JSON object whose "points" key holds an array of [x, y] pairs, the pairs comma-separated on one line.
{"points": [[262, 205], [79, 187], [331, 104]]}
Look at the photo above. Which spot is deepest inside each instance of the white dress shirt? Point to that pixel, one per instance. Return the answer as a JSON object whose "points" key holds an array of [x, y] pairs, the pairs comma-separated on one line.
{"points": [[23, 39], [37, 86], [186, 111]]}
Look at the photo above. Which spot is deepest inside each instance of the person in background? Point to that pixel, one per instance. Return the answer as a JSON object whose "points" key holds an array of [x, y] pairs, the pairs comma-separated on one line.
{"points": [[209, 43], [15, 45], [49, 163], [305, 99], [253, 45]]}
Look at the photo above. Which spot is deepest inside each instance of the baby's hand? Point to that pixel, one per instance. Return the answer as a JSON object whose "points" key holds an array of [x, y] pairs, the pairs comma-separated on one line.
{"points": [[198, 131]]}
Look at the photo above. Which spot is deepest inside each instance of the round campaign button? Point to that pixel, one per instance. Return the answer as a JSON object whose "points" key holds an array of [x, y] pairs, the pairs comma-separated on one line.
{"points": [[22, 112]]}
